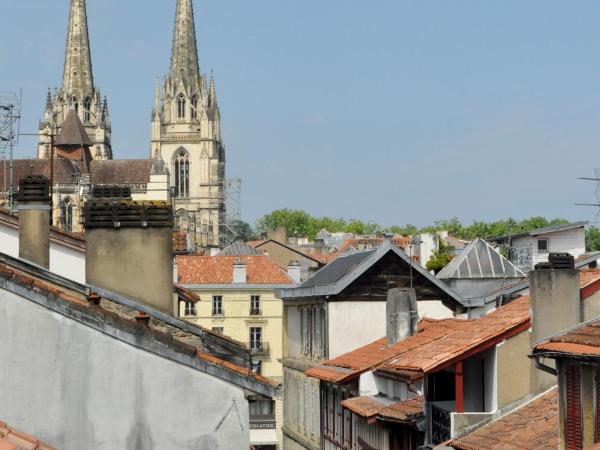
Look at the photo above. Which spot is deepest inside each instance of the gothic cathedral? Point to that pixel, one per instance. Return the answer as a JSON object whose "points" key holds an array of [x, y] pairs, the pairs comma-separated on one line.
{"points": [[77, 92], [186, 133]]}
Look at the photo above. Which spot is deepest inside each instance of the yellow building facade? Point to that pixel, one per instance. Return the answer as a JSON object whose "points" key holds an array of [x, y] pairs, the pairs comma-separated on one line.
{"points": [[237, 299]]}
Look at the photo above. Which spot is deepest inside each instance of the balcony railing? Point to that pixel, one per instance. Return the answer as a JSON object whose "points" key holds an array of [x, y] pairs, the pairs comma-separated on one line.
{"points": [[218, 312], [440, 424], [255, 312], [259, 348]]}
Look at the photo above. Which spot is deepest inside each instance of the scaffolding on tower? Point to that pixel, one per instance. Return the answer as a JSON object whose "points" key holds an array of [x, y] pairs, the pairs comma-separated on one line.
{"points": [[10, 119]]}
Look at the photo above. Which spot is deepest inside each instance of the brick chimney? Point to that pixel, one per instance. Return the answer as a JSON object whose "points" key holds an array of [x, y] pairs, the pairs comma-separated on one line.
{"points": [[402, 317], [34, 209], [129, 250], [239, 272], [555, 304]]}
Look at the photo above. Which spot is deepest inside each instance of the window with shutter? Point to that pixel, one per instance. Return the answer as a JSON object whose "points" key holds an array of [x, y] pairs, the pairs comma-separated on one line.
{"points": [[574, 435]]}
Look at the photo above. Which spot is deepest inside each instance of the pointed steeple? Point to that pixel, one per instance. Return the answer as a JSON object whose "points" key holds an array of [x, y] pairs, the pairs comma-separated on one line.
{"points": [[212, 93], [49, 100], [184, 56], [77, 75], [157, 98]]}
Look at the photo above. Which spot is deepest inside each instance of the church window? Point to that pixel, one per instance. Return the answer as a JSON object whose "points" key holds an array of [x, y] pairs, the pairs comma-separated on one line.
{"points": [[87, 107], [182, 174], [66, 212], [181, 106], [75, 104], [194, 109]]}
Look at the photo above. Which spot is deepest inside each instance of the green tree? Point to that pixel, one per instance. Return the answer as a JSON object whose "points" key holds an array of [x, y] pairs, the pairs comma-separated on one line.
{"points": [[440, 258], [242, 230], [592, 239]]}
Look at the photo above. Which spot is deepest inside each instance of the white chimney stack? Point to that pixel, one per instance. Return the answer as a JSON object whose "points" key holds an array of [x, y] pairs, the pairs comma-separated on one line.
{"points": [[239, 272], [295, 271]]}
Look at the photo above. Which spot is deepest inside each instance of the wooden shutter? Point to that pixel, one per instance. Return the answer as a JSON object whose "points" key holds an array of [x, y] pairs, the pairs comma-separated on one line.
{"points": [[597, 410], [573, 394]]}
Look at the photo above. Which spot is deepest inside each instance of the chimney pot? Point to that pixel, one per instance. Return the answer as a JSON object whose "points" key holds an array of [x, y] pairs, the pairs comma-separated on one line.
{"points": [[143, 319], [93, 299], [401, 314], [295, 271], [34, 209]]}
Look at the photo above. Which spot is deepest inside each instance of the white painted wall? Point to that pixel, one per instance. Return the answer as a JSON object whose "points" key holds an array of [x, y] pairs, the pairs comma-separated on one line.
{"points": [[569, 241], [433, 309], [99, 393], [64, 261], [353, 324]]}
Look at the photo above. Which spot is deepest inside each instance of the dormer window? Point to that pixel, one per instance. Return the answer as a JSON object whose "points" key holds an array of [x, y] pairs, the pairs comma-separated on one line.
{"points": [[181, 106]]}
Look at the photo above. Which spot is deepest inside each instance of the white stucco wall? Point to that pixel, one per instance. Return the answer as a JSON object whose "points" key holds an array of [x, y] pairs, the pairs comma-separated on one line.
{"points": [[354, 324], [76, 388]]}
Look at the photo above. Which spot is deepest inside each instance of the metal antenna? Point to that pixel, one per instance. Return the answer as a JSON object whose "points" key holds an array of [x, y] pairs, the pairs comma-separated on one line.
{"points": [[10, 119], [597, 193]]}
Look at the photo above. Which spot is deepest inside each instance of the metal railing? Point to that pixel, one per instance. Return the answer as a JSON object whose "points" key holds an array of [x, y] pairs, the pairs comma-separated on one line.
{"points": [[259, 348], [255, 312], [440, 424]]}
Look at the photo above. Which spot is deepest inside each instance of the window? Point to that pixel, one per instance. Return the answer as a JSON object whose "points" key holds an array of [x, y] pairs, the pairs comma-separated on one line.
{"points": [[66, 213], [218, 330], [181, 106], [255, 338], [190, 309], [182, 174], [542, 245], [217, 305], [262, 409], [87, 107], [75, 104], [194, 109], [255, 305], [314, 326]]}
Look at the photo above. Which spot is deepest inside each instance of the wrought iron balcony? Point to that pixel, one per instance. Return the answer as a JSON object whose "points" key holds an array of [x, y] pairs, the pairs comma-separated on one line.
{"points": [[440, 424], [259, 348]]}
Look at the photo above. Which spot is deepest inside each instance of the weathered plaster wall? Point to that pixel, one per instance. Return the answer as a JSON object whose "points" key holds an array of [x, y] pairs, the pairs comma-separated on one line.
{"points": [[77, 388], [514, 369]]}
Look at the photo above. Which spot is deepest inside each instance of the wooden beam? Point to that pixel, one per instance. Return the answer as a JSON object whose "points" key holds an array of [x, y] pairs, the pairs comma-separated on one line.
{"points": [[460, 405]]}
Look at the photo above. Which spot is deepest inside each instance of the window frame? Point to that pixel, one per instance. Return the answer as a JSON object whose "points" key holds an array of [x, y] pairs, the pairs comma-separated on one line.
{"points": [[547, 244], [256, 338], [181, 105], [190, 309], [217, 306], [255, 305]]}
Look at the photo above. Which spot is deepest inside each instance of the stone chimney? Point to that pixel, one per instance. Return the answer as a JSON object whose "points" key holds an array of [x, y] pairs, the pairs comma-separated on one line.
{"points": [[129, 250], [295, 271], [402, 316], [239, 272], [555, 304], [34, 220], [277, 234]]}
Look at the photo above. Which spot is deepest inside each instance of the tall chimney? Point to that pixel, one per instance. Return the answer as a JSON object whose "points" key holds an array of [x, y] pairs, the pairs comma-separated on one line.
{"points": [[555, 304], [239, 272], [34, 220], [129, 250], [295, 271], [402, 316]]}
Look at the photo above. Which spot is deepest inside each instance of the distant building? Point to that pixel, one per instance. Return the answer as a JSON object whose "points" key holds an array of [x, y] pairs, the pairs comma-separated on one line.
{"points": [[237, 298], [532, 247], [283, 255]]}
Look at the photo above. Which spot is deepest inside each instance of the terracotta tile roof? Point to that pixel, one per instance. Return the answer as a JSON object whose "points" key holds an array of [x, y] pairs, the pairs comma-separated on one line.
{"points": [[325, 259], [118, 315], [533, 426], [365, 243], [186, 294], [580, 341], [472, 336], [378, 352], [384, 408], [65, 171], [14, 440], [179, 242], [219, 270]]}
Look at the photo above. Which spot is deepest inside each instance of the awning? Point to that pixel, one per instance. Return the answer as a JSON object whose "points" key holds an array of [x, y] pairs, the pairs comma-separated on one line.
{"points": [[263, 437]]}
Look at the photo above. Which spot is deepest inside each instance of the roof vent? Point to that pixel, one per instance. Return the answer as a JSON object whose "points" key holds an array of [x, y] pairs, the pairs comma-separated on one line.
{"points": [[33, 189], [110, 191], [557, 261], [127, 214]]}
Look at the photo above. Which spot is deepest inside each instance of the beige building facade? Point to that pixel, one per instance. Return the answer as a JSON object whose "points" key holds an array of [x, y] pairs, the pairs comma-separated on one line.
{"points": [[237, 299]]}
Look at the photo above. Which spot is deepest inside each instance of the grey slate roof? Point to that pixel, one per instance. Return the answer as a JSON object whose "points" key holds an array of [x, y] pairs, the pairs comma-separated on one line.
{"points": [[72, 132], [340, 273], [480, 260], [240, 249], [540, 231]]}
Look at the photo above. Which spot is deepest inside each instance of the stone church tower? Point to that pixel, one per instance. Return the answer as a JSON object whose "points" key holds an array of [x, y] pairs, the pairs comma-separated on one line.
{"points": [[77, 92], [186, 133]]}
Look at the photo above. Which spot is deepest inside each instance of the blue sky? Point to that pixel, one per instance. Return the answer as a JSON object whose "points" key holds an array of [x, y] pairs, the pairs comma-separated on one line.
{"points": [[391, 110]]}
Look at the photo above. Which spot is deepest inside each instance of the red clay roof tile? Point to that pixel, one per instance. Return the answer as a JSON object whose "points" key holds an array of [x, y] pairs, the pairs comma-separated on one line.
{"points": [[219, 270], [14, 440], [369, 407], [533, 426]]}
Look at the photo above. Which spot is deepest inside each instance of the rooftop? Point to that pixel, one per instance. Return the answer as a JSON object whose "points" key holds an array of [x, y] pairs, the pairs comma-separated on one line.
{"points": [[218, 270], [541, 231], [14, 440], [72, 132], [383, 408], [533, 426], [240, 249], [115, 316], [121, 171]]}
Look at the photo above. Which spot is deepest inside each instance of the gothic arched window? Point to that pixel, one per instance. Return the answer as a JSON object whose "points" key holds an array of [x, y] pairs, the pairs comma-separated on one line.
{"points": [[194, 109], [87, 108], [66, 212], [181, 106], [75, 104], [182, 174]]}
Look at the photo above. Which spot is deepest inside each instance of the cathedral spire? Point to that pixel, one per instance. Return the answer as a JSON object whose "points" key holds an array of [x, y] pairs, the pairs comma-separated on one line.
{"points": [[77, 76], [184, 57], [212, 93]]}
